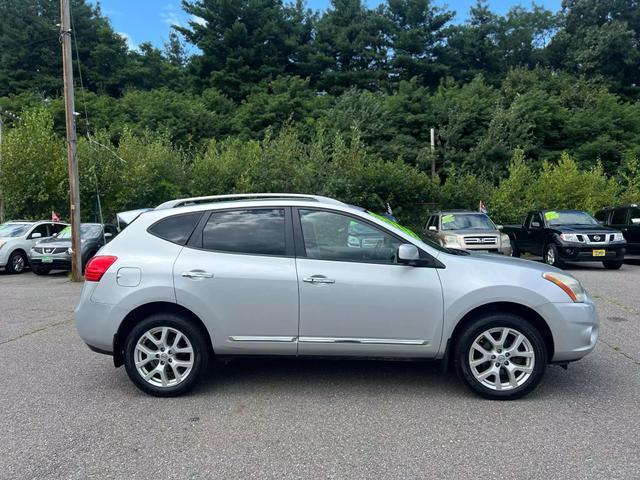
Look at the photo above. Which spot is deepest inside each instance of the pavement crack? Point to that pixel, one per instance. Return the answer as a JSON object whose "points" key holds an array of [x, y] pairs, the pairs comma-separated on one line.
{"points": [[37, 330], [619, 351], [620, 305]]}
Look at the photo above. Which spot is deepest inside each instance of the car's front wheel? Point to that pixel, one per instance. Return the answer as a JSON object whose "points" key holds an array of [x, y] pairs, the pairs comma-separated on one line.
{"points": [[552, 256], [612, 264], [17, 262], [165, 354], [500, 356]]}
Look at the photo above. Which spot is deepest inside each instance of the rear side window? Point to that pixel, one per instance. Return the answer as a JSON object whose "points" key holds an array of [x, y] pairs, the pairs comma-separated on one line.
{"points": [[253, 231], [176, 229], [619, 217], [601, 216]]}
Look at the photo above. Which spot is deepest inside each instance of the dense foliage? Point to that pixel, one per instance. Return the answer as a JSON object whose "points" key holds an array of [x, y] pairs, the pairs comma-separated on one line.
{"points": [[531, 109]]}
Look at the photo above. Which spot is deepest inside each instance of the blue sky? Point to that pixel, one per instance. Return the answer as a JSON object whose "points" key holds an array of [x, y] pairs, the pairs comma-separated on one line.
{"points": [[151, 20]]}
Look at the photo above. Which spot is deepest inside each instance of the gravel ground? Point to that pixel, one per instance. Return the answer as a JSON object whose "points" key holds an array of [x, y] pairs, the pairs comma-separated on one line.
{"points": [[67, 413]]}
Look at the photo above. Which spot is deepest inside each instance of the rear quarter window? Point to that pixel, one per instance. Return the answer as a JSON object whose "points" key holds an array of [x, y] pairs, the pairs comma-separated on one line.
{"points": [[176, 229]]}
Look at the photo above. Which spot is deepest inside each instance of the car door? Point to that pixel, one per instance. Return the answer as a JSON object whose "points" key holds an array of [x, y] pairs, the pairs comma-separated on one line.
{"points": [[238, 274], [535, 234], [44, 229], [632, 233], [356, 300]]}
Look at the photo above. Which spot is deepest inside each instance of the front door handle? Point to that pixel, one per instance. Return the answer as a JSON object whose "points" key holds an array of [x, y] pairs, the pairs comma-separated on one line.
{"points": [[197, 274], [318, 279]]}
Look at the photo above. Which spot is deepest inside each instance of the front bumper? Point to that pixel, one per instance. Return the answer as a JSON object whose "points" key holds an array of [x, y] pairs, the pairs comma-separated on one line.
{"points": [[574, 327], [582, 253], [58, 261]]}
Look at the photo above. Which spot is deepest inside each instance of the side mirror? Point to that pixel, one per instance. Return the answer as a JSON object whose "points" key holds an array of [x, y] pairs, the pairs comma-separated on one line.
{"points": [[535, 224], [499, 227], [433, 228], [54, 235], [108, 235], [635, 221], [408, 254], [36, 235]]}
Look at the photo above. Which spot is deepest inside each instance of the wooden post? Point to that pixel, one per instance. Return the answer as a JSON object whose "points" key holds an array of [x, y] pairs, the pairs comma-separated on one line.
{"points": [[74, 182]]}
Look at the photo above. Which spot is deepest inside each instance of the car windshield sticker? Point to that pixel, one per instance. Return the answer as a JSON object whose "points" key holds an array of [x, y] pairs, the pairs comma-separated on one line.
{"points": [[551, 215], [448, 218], [397, 225]]}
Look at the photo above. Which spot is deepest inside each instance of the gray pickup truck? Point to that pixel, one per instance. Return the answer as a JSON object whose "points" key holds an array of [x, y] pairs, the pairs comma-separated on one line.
{"points": [[466, 230]]}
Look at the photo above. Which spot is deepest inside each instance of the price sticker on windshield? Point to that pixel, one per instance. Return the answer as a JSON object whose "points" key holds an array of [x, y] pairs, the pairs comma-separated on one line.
{"points": [[551, 215], [448, 218]]}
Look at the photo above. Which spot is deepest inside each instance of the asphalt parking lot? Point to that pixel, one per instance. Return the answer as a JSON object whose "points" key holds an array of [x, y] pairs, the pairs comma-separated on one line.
{"points": [[67, 413]]}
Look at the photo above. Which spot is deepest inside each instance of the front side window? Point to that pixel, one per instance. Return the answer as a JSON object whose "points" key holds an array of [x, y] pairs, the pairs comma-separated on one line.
{"points": [[536, 218], [333, 236], [252, 231], [42, 229], [619, 217]]}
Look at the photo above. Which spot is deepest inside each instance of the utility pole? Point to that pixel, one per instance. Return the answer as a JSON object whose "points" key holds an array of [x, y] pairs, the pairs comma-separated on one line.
{"points": [[433, 153], [74, 181]]}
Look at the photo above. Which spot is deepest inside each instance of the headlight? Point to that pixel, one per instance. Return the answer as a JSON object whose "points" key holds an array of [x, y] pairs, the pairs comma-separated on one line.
{"points": [[451, 241], [505, 240], [618, 237], [570, 285], [569, 237]]}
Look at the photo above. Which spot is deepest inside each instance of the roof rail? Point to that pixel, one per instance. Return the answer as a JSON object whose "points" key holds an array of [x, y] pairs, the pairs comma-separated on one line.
{"points": [[182, 202]]}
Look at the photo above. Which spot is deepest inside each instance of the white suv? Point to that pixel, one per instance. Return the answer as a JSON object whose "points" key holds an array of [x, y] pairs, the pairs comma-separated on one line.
{"points": [[302, 275], [18, 236]]}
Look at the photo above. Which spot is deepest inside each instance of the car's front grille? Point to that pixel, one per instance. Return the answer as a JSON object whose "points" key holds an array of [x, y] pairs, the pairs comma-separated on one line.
{"points": [[480, 240], [50, 251], [597, 237]]}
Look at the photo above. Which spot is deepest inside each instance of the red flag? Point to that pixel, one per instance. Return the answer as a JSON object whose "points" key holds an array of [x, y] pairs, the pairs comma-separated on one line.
{"points": [[482, 208], [54, 216]]}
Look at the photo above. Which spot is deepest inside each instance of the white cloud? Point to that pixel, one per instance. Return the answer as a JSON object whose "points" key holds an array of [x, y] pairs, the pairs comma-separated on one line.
{"points": [[198, 20], [130, 43], [170, 14]]}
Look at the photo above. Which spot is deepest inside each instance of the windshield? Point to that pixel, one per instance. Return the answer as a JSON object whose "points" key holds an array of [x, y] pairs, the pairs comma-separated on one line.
{"points": [[467, 221], [86, 231], [13, 229], [410, 232], [569, 218]]}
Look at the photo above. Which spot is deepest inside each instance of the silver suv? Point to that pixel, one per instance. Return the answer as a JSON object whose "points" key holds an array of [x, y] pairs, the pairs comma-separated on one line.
{"points": [[284, 276], [467, 230], [18, 236]]}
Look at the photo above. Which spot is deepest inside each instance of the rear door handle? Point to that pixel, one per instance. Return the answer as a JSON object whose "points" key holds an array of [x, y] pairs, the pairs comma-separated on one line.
{"points": [[197, 274], [318, 279]]}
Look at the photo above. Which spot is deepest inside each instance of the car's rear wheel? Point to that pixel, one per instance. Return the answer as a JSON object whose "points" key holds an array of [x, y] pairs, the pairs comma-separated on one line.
{"points": [[17, 262], [612, 264], [552, 256], [500, 356], [40, 270], [165, 354]]}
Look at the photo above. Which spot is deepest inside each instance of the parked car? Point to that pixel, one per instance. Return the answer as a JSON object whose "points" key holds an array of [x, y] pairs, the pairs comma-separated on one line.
{"points": [[18, 236], [466, 230], [55, 253], [279, 276], [567, 236], [627, 220]]}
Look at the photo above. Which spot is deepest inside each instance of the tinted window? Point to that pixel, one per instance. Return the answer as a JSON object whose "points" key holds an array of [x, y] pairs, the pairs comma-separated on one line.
{"points": [[536, 218], [42, 229], [253, 231], [635, 213], [601, 216], [176, 229], [619, 217], [333, 236]]}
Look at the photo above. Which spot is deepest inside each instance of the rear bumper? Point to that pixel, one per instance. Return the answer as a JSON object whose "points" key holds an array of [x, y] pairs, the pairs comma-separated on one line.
{"points": [[581, 253], [574, 327], [96, 323]]}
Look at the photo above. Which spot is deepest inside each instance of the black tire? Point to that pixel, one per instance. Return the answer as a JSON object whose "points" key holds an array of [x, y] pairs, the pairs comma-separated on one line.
{"points": [[612, 264], [40, 270], [555, 260], [463, 346], [197, 339], [515, 251], [17, 262]]}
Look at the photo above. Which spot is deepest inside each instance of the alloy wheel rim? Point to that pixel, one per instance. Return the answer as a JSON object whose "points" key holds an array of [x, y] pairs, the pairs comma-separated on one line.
{"points": [[501, 358], [164, 357], [551, 256], [18, 263]]}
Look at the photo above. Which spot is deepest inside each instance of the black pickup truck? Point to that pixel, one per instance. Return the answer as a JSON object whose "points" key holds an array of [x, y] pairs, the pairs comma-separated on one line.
{"points": [[561, 236]]}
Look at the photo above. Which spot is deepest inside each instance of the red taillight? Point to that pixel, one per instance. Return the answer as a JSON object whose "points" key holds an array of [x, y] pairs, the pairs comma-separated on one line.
{"points": [[97, 267]]}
